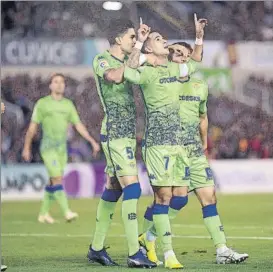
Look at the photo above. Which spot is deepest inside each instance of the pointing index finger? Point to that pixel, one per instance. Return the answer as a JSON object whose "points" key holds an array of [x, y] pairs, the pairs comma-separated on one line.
{"points": [[195, 18]]}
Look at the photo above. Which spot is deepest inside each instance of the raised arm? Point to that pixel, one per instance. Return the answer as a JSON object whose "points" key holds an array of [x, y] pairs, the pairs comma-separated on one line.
{"points": [[200, 24], [142, 34]]}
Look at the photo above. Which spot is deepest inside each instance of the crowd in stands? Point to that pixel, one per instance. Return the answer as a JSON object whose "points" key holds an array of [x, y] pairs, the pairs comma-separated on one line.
{"points": [[232, 20], [236, 130]]}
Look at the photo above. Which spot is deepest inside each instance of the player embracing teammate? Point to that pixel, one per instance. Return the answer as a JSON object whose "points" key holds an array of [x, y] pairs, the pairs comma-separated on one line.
{"points": [[173, 150]]}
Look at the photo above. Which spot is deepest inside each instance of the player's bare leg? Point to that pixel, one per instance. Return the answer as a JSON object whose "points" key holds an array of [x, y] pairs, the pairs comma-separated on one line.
{"points": [[162, 198], [105, 211], [207, 198]]}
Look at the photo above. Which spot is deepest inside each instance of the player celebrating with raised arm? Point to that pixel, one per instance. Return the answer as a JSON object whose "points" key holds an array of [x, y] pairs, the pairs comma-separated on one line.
{"points": [[118, 142], [163, 155], [54, 113], [193, 111]]}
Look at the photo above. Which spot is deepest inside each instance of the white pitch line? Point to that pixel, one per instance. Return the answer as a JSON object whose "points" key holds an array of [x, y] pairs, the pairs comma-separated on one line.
{"points": [[193, 226], [118, 236], [200, 226]]}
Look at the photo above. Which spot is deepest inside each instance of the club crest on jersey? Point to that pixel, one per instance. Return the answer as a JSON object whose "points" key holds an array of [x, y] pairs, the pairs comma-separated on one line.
{"points": [[103, 63]]}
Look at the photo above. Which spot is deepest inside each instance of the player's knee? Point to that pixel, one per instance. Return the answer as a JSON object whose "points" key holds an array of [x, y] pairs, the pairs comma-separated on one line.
{"points": [[132, 191], [163, 199], [178, 202], [127, 180]]}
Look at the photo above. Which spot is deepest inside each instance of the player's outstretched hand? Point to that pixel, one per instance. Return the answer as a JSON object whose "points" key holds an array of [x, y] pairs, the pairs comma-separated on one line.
{"points": [[199, 26], [2, 107], [143, 32], [96, 149], [26, 155]]}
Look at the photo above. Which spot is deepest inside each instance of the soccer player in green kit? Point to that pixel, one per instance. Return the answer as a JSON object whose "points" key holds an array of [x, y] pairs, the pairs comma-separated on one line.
{"points": [[193, 111], [165, 159], [54, 113], [118, 137]]}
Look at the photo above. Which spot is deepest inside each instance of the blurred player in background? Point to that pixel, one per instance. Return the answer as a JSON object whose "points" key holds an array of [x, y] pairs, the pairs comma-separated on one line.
{"points": [[3, 267], [193, 111], [54, 113], [118, 137], [163, 155]]}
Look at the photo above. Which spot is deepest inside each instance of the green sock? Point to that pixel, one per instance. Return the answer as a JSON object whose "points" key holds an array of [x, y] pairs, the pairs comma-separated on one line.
{"points": [[61, 198], [129, 217], [147, 225], [47, 201], [163, 226], [173, 213], [104, 217], [213, 224]]}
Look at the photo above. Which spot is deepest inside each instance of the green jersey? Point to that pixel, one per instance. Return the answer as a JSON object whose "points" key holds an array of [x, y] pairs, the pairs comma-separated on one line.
{"points": [[193, 103], [54, 117], [160, 88], [117, 100]]}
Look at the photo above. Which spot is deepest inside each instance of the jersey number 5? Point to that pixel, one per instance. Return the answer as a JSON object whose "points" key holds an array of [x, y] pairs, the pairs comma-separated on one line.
{"points": [[130, 153]]}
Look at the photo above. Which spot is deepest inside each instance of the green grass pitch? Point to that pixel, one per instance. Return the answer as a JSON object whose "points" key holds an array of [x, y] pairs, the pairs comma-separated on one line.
{"points": [[30, 246]]}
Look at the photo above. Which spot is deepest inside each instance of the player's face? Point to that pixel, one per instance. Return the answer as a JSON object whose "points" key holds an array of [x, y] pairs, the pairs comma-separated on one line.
{"points": [[57, 85], [157, 44], [128, 41], [181, 54]]}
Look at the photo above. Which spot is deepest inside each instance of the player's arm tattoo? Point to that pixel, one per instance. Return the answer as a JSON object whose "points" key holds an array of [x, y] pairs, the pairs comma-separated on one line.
{"points": [[133, 61], [114, 75]]}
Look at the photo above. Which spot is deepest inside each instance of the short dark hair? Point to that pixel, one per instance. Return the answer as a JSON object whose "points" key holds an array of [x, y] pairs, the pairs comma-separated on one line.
{"points": [[187, 45], [56, 75], [118, 28]]}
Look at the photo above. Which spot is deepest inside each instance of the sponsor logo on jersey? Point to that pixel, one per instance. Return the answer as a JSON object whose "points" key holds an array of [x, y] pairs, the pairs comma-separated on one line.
{"points": [[167, 80], [103, 63], [189, 98]]}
